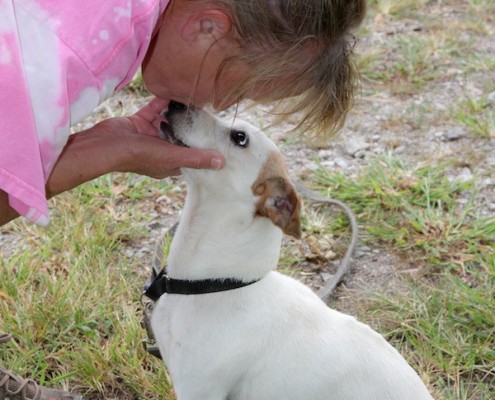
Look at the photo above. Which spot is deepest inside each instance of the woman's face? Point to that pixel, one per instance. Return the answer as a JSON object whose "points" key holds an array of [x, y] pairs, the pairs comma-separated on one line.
{"points": [[188, 76], [187, 49], [189, 46]]}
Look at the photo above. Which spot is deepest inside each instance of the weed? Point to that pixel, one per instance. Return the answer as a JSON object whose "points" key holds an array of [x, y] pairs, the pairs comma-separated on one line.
{"points": [[478, 116]]}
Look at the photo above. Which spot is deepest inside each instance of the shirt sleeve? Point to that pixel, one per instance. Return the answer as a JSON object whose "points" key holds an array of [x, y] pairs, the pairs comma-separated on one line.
{"points": [[21, 170]]}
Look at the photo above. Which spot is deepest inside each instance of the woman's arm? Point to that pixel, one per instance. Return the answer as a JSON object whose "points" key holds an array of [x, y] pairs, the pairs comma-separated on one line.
{"points": [[6, 213], [125, 144]]}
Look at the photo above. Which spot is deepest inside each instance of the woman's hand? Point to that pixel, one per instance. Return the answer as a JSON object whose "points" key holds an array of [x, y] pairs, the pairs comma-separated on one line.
{"points": [[153, 156], [125, 144]]}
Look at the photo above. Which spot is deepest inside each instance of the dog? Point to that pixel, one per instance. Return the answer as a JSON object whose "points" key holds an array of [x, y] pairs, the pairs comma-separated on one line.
{"points": [[256, 334]]}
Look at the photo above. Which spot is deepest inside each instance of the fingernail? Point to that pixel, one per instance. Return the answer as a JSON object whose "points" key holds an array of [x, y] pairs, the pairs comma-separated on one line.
{"points": [[216, 163]]}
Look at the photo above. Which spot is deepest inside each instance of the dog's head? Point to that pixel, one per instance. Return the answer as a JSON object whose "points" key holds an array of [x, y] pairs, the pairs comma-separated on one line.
{"points": [[254, 170]]}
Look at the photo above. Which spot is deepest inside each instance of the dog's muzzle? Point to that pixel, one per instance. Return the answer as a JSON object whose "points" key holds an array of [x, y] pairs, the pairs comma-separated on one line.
{"points": [[167, 133], [166, 130]]}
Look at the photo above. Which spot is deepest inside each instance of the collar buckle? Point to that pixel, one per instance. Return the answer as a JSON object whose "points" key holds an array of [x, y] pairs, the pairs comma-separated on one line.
{"points": [[167, 283]]}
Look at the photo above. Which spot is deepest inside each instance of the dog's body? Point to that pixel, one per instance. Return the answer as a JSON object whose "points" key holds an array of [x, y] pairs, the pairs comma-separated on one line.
{"points": [[274, 339]]}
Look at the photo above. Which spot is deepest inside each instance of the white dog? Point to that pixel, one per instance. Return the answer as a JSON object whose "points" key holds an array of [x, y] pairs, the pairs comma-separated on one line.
{"points": [[252, 333]]}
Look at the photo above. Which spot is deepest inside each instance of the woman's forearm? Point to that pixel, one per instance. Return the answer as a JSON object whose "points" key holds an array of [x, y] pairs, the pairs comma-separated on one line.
{"points": [[117, 144], [6, 212], [86, 156]]}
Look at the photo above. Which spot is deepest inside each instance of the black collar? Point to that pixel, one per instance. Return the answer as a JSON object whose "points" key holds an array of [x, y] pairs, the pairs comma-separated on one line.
{"points": [[163, 284]]}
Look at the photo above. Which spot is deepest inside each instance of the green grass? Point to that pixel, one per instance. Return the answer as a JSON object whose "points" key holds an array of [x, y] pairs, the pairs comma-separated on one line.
{"points": [[442, 316], [443, 322], [397, 7], [427, 50], [70, 297], [478, 115]]}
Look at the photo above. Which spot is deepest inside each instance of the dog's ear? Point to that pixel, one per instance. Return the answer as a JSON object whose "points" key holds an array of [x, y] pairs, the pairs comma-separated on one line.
{"points": [[279, 202]]}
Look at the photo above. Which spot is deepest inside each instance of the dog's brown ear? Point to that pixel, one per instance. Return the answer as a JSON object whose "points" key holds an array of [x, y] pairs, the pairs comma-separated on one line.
{"points": [[279, 202]]}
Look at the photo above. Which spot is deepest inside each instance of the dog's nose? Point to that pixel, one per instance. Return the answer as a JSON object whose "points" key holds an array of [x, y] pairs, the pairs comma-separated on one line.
{"points": [[176, 106]]}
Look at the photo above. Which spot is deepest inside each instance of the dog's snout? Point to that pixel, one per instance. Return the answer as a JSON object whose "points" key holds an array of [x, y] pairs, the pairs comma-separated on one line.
{"points": [[174, 108], [178, 122], [174, 105]]}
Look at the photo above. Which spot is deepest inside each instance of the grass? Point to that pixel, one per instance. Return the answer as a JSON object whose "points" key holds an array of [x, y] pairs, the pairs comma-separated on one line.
{"points": [[70, 297], [442, 317], [426, 49], [444, 322], [478, 115], [391, 7], [447, 329]]}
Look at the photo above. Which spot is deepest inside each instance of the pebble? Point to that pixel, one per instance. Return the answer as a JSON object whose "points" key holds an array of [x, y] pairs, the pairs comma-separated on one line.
{"points": [[326, 276], [155, 226], [455, 133], [400, 150], [311, 166], [355, 146], [490, 160], [487, 182], [329, 164], [340, 162], [362, 251], [465, 175], [326, 154]]}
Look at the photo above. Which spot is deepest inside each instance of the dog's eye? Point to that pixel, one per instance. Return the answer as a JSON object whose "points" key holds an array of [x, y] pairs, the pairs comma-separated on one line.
{"points": [[239, 138]]}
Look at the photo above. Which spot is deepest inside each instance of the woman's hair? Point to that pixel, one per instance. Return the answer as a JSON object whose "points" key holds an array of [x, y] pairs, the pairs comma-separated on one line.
{"points": [[307, 43]]}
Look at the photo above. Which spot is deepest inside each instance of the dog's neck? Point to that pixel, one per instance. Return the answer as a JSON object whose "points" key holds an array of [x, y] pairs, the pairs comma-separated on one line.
{"points": [[222, 238]]}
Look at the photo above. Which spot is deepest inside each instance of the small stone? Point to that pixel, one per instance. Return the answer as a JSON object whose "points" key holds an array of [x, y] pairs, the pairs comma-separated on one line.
{"points": [[311, 166], [329, 164], [330, 255], [465, 175], [455, 133], [326, 276], [340, 162], [355, 146], [155, 226]]}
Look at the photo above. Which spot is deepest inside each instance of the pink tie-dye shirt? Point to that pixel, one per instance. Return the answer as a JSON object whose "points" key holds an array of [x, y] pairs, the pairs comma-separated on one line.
{"points": [[59, 59]]}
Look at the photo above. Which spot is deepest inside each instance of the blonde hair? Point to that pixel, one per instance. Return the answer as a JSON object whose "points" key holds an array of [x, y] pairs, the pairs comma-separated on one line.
{"points": [[307, 43]]}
